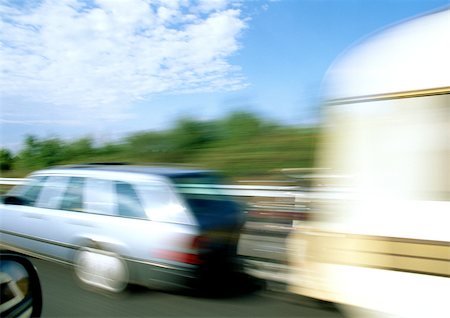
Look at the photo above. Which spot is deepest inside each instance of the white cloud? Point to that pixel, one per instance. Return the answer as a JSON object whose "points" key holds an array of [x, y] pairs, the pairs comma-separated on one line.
{"points": [[212, 5], [103, 55]]}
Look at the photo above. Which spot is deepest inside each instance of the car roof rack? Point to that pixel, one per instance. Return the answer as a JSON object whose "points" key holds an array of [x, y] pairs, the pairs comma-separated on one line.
{"points": [[106, 163], [90, 164]]}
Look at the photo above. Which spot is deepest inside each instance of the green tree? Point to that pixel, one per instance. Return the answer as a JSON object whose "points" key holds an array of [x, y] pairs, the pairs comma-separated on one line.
{"points": [[6, 160], [189, 135], [27, 158], [240, 144], [51, 152], [242, 125], [80, 148], [147, 144], [41, 153]]}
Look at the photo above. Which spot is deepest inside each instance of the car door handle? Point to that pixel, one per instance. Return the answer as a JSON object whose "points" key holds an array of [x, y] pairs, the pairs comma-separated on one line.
{"points": [[82, 223], [34, 216]]}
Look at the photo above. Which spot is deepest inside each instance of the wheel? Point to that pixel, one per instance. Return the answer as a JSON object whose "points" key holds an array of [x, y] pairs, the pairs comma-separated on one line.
{"points": [[101, 269]]}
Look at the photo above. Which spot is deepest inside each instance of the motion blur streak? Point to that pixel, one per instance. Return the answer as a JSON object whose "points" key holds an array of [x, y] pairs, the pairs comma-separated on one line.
{"points": [[378, 240]]}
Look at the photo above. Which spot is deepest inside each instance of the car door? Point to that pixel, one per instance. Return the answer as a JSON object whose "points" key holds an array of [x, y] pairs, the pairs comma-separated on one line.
{"points": [[89, 214], [50, 233], [21, 222], [66, 215], [114, 217]]}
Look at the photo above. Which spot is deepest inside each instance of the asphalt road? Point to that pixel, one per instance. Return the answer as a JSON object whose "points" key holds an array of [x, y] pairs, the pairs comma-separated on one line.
{"points": [[245, 297]]}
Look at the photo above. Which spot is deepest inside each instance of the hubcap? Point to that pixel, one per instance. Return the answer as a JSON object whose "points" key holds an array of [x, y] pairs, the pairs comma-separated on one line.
{"points": [[100, 269]]}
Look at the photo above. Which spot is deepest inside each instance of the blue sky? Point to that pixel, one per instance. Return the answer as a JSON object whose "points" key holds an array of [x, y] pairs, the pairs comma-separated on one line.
{"points": [[104, 68]]}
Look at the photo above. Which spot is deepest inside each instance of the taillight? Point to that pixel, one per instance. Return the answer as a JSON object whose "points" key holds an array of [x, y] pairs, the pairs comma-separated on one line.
{"points": [[182, 257], [198, 242], [191, 255]]}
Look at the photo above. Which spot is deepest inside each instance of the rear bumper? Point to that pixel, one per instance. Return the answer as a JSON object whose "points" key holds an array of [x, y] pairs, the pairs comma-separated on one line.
{"points": [[173, 277], [160, 276]]}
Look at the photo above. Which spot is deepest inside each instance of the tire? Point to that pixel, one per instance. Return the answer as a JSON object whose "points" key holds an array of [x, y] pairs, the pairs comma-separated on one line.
{"points": [[100, 269]]}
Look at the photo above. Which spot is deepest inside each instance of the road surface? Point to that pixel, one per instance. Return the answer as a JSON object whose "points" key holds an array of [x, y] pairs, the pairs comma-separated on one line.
{"points": [[63, 297]]}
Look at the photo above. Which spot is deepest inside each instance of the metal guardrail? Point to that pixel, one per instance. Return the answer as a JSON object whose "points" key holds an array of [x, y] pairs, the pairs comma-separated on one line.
{"points": [[11, 181]]}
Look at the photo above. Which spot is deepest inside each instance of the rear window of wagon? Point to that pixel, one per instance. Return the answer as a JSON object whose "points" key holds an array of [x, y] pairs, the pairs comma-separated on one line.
{"points": [[206, 199]]}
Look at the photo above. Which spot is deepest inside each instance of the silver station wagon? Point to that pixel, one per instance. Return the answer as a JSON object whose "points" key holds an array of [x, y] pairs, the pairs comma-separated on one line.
{"points": [[119, 224]]}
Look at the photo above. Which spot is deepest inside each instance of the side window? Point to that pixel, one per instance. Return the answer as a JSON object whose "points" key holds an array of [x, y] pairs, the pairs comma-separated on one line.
{"points": [[28, 193], [99, 196], [162, 203], [73, 196], [128, 202], [52, 192]]}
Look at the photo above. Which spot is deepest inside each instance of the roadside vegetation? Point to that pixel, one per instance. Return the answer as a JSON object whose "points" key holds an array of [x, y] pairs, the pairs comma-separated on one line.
{"points": [[242, 144]]}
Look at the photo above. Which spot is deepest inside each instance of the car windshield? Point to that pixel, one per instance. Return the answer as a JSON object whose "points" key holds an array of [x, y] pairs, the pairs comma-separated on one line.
{"points": [[205, 196]]}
